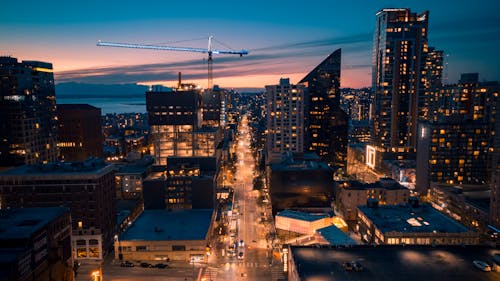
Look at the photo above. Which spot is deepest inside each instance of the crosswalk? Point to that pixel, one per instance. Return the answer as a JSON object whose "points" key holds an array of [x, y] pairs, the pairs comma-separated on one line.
{"points": [[277, 273], [210, 273]]}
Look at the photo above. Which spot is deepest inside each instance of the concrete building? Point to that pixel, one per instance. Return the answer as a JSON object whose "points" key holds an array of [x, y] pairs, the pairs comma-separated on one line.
{"points": [[306, 223], [326, 123], [351, 194], [87, 188], [398, 80], [411, 225], [285, 119], [28, 131], [173, 235], [35, 244], [300, 182]]}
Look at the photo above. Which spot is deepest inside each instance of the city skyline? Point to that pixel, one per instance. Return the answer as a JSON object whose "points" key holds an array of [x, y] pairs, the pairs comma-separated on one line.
{"points": [[283, 40]]}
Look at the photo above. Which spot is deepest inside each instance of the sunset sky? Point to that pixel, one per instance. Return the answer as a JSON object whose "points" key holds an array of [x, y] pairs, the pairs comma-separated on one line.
{"points": [[285, 38]]}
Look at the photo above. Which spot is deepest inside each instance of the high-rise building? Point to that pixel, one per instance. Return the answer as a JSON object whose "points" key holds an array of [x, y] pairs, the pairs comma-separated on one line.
{"points": [[456, 146], [214, 107], [175, 118], [433, 84], [28, 130], [327, 124], [80, 132], [285, 118], [399, 57], [87, 188]]}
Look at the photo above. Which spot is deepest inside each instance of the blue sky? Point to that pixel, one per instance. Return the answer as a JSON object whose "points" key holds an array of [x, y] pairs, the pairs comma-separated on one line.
{"points": [[285, 38]]}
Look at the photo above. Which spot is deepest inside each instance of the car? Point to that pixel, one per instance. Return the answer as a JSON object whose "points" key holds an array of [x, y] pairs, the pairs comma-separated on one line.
{"points": [[241, 243], [146, 265], [240, 255], [161, 265], [347, 266], [126, 264], [482, 265], [357, 266]]}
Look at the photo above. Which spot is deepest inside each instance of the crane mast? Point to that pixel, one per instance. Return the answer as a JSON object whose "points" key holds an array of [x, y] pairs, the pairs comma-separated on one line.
{"points": [[209, 50]]}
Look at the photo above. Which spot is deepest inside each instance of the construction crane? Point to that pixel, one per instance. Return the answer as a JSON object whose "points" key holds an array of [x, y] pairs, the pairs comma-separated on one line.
{"points": [[210, 51]]}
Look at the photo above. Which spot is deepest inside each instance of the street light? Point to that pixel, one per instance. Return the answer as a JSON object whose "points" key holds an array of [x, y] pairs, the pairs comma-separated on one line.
{"points": [[96, 275]]}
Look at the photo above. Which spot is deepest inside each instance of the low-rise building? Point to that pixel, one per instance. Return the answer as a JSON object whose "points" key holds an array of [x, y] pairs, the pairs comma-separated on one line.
{"points": [[468, 204], [87, 188], [306, 223], [129, 178], [411, 224], [300, 181], [35, 244], [388, 263], [350, 194], [173, 235]]}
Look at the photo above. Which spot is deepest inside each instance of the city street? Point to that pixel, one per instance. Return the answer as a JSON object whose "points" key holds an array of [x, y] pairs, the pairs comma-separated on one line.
{"points": [[252, 260]]}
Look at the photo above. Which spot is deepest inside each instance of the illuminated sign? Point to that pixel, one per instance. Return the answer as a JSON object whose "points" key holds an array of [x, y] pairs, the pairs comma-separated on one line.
{"points": [[371, 154]]}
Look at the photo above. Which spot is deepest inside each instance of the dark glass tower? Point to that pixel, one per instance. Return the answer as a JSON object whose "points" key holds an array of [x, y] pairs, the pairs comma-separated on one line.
{"points": [[399, 56], [326, 122], [28, 130]]}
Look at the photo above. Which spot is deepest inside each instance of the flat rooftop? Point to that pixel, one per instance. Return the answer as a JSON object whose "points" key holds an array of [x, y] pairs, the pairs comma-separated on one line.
{"points": [[22, 222], [94, 166], [383, 183], [404, 218], [335, 236], [391, 263], [162, 225], [301, 215]]}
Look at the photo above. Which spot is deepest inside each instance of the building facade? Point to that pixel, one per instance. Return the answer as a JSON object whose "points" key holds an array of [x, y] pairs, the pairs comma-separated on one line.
{"points": [[28, 131], [351, 194], [36, 244], [457, 145], [87, 188], [300, 184], [79, 132], [187, 183], [398, 80], [326, 123], [176, 121], [285, 118]]}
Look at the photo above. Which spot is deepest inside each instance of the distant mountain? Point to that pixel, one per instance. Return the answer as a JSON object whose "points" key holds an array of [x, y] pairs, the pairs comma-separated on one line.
{"points": [[81, 90]]}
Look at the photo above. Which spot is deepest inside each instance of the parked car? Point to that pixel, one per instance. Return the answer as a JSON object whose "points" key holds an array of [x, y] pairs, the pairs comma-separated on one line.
{"points": [[146, 264], [482, 265], [357, 266], [161, 265], [126, 264], [347, 266]]}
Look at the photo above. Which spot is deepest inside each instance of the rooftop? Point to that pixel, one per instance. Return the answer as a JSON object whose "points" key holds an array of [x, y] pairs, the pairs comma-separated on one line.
{"points": [[301, 215], [91, 166], [391, 263], [161, 225], [385, 183], [335, 236], [404, 218], [21, 223]]}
